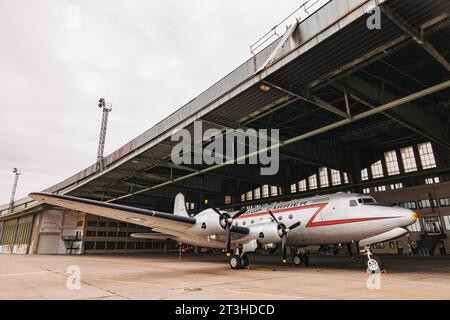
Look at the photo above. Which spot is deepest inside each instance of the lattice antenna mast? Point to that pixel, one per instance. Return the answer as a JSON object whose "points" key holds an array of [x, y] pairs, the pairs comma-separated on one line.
{"points": [[106, 108], [13, 192]]}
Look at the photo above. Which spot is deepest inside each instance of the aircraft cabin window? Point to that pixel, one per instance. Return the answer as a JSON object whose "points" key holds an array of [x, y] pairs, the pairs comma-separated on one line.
{"points": [[291, 216], [366, 201], [280, 218], [353, 203]]}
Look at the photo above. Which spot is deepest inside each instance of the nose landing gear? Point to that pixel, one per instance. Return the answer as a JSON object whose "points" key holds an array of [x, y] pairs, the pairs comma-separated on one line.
{"points": [[373, 262]]}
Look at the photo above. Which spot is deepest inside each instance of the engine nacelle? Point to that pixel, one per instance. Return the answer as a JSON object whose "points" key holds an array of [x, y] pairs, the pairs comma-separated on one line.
{"points": [[208, 223], [264, 233]]}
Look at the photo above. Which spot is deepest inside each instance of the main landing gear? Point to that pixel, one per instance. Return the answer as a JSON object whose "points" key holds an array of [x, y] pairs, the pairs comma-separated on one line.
{"points": [[374, 263], [239, 261]]}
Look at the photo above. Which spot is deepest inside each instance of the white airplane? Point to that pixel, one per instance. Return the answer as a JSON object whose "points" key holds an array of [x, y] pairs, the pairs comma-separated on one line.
{"points": [[319, 220]]}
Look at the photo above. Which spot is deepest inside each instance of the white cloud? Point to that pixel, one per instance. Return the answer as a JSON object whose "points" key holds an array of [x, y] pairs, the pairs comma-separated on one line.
{"points": [[146, 57]]}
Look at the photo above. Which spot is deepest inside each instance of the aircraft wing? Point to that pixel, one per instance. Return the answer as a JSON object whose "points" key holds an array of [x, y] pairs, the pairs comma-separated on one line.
{"points": [[167, 224], [163, 222]]}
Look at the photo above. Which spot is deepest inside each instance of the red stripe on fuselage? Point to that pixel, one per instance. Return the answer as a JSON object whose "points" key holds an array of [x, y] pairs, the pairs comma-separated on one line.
{"points": [[320, 205], [311, 222]]}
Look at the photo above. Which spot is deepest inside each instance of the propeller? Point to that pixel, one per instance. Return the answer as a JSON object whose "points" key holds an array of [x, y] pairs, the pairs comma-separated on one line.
{"points": [[226, 222], [283, 233]]}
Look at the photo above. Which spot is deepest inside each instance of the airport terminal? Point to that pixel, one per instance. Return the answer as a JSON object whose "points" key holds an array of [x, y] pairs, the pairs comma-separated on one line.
{"points": [[361, 108]]}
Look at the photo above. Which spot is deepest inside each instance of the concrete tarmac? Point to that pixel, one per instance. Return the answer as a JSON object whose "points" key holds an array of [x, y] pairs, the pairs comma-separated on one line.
{"points": [[210, 277]]}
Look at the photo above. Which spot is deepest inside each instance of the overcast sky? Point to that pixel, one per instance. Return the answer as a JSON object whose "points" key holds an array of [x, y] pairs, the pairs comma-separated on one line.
{"points": [[148, 58]]}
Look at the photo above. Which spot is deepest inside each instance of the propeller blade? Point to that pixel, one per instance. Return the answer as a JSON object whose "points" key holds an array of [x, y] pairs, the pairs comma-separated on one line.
{"points": [[212, 206], [274, 218], [239, 213], [295, 225], [228, 239], [283, 248]]}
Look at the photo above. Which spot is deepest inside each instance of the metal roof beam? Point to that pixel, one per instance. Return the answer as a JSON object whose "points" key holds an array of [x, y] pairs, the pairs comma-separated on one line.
{"points": [[409, 115], [327, 128], [416, 35], [313, 100]]}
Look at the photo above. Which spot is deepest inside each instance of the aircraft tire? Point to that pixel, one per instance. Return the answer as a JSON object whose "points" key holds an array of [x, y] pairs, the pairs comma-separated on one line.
{"points": [[374, 264], [245, 261], [305, 259], [301, 259], [297, 260], [236, 262]]}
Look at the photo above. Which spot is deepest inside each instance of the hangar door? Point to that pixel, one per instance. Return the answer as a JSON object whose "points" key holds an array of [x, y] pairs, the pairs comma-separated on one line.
{"points": [[48, 244]]}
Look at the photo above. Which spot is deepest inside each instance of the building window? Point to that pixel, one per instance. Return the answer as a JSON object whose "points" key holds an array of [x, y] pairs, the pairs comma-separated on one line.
{"points": [[408, 205], [293, 188], [100, 245], [335, 177], [432, 180], [113, 224], [89, 245], [91, 233], [243, 197], [364, 174], [227, 200], [379, 245], [380, 189], [273, 191], [396, 186], [391, 163], [444, 202], [92, 223], [257, 193], [447, 222], [424, 204], [265, 191], [323, 177], [302, 185], [415, 227], [366, 190], [249, 196], [377, 170], [408, 159], [426, 155], [312, 182], [345, 177]]}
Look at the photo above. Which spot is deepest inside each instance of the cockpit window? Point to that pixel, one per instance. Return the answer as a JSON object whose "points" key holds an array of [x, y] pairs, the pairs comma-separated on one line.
{"points": [[366, 201], [353, 203]]}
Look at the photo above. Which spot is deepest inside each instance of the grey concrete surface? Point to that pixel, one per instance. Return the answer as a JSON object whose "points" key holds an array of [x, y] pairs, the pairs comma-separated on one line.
{"points": [[209, 277]]}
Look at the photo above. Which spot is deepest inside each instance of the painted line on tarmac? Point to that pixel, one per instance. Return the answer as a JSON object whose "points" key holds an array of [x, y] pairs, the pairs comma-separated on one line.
{"points": [[22, 274]]}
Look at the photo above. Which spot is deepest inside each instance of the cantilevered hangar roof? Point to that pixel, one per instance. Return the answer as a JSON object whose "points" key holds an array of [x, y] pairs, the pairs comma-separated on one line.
{"points": [[336, 90]]}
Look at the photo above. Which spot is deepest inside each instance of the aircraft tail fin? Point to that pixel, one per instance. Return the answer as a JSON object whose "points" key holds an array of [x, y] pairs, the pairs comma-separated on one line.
{"points": [[179, 207]]}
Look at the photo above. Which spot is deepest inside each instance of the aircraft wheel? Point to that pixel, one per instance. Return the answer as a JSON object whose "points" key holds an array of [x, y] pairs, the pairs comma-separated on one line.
{"points": [[236, 262], [301, 259], [305, 259], [374, 264], [297, 260], [245, 261]]}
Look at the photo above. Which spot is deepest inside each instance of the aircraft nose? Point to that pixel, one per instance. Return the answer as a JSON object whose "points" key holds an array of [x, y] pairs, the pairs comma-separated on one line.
{"points": [[409, 216]]}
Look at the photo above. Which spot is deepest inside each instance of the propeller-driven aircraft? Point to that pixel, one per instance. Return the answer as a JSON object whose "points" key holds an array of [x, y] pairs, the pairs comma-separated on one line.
{"points": [[319, 220]]}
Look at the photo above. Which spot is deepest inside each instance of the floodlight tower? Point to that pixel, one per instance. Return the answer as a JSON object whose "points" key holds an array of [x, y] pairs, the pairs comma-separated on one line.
{"points": [[13, 192], [106, 108]]}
